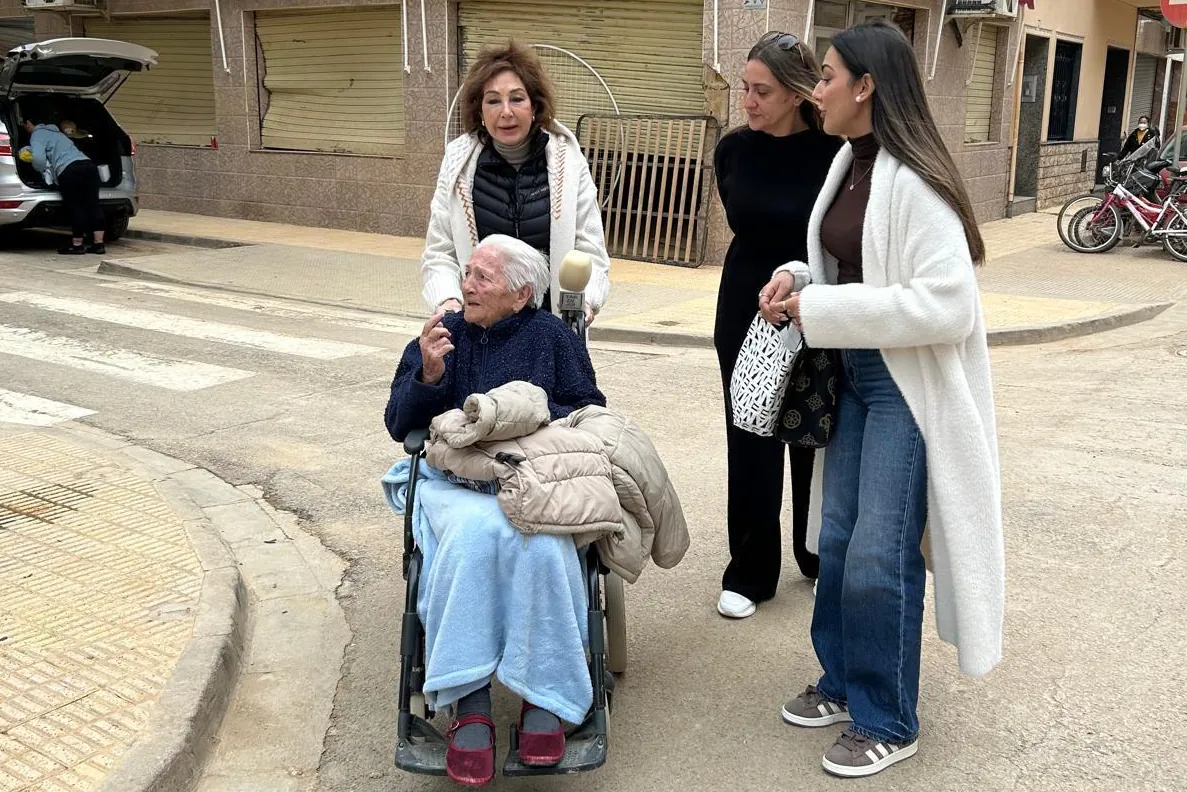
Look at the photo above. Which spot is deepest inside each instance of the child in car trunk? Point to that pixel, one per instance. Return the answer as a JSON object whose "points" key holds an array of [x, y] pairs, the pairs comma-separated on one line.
{"points": [[78, 179]]}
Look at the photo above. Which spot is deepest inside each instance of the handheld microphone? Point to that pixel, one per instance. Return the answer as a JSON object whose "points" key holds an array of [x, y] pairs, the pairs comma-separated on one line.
{"points": [[574, 274]]}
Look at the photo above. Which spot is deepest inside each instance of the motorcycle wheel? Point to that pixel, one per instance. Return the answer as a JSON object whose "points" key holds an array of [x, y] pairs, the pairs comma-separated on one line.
{"points": [[1086, 236], [1175, 243]]}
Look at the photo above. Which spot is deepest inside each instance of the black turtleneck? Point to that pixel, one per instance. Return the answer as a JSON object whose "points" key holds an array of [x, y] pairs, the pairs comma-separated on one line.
{"points": [[841, 230], [768, 186]]}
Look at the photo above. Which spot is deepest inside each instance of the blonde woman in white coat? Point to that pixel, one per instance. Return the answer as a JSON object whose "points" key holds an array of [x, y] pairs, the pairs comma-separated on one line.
{"points": [[517, 171], [891, 247]]}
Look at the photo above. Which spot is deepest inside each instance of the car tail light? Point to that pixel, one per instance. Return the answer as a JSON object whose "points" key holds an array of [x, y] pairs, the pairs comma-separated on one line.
{"points": [[10, 204], [5, 145]]}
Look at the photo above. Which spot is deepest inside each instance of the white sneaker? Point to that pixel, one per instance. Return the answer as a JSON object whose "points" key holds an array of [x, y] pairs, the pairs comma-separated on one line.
{"points": [[733, 605]]}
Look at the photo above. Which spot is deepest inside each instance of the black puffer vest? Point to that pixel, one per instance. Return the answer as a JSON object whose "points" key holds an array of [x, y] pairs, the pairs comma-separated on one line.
{"points": [[514, 202]]}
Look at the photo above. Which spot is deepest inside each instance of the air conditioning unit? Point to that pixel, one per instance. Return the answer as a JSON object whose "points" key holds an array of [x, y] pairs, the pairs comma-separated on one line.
{"points": [[996, 9], [63, 5]]}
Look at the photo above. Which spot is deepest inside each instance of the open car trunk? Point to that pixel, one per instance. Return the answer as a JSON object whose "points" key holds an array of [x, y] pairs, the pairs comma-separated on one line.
{"points": [[98, 136]]}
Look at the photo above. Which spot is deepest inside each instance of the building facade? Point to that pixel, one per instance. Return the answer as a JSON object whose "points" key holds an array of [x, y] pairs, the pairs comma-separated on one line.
{"points": [[1088, 69], [335, 112]]}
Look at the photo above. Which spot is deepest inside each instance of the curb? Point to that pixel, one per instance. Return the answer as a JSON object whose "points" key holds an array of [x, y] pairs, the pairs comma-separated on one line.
{"points": [[183, 239], [1012, 336], [186, 717], [1039, 334]]}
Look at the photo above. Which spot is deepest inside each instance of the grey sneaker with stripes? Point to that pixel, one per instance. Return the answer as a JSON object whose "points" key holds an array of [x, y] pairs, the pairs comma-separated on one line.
{"points": [[854, 755], [812, 710]]}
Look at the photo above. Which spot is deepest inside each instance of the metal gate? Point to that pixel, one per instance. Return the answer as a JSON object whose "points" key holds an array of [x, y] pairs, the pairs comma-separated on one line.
{"points": [[652, 174]]}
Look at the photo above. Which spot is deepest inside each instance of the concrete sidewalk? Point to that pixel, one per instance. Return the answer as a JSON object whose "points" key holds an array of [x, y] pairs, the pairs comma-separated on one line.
{"points": [[142, 599], [103, 586], [1033, 288]]}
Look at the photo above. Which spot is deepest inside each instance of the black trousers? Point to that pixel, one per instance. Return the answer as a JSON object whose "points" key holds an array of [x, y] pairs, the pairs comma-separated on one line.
{"points": [[754, 501], [79, 184]]}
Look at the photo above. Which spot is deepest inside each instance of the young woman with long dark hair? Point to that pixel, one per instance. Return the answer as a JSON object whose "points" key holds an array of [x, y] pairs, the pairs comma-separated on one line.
{"points": [[891, 247], [768, 175]]}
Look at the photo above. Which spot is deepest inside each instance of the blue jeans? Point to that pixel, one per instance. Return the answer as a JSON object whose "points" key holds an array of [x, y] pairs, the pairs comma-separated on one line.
{"points": [[868, 623]]}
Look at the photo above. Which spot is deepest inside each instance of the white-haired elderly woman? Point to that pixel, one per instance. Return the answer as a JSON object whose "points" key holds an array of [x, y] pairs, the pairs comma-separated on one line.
{"points": [[495, 602]]}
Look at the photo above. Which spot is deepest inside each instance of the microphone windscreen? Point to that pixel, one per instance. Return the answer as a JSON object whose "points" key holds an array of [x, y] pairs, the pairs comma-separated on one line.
{"points": [[575, 271]]}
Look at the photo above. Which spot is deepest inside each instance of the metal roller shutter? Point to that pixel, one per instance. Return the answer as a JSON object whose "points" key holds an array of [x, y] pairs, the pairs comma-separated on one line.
{"points": [[334, 80], [172, 103], [1141, 103], [649, 53], [979, 101]]}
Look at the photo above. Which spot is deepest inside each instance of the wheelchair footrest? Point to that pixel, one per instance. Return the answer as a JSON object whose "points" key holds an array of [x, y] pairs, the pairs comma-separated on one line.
{"points": [[423, 751], [585, 750]]}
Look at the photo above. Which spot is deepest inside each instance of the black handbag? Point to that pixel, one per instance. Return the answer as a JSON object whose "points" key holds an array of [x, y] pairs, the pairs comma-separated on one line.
{"points": [[808, 416]]}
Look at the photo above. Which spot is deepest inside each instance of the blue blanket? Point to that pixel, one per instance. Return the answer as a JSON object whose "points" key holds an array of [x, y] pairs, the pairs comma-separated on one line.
{"points": [[494, 601]]}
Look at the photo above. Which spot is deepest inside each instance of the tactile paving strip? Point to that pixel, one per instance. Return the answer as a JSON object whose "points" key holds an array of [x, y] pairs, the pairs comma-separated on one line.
{"points": [[98, 586]]}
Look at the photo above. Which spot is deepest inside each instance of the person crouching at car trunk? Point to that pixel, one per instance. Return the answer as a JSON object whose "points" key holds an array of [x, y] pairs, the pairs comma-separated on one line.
{"points": [[78, 179]]}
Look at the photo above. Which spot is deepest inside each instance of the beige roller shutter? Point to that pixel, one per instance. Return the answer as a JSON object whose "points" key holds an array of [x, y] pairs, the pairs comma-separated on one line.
{"points": [[174, 101], [334, 80], [979, 103], [647, 51], [1141, 103]]}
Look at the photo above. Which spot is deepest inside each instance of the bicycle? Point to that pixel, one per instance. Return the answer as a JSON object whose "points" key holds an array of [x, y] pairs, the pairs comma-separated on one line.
{"points": [[1098, 228], [1137, 172]]}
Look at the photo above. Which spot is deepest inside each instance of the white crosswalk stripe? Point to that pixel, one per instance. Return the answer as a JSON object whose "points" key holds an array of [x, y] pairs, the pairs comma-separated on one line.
{"points": [[343, 317], [161, 372], [157, 321], [21, 408]]}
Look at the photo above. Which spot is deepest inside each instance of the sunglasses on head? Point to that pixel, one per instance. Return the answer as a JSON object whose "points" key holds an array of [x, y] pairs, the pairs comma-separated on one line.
{"points": [[787, 42]]}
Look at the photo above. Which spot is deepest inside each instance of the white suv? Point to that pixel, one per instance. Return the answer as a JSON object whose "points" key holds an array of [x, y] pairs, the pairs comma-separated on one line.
{"points": [[60, 80]]}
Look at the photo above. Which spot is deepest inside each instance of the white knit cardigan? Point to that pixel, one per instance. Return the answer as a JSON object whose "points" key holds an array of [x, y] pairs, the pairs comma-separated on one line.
{"points": [[576, 222], [919, 304]]}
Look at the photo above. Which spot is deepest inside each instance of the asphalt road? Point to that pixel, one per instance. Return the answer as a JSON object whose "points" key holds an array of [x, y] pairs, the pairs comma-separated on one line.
{"points": [[1092, 694]]}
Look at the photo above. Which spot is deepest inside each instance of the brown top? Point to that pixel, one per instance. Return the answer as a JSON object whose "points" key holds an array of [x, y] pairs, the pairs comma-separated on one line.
{"points": [[841, 229]]}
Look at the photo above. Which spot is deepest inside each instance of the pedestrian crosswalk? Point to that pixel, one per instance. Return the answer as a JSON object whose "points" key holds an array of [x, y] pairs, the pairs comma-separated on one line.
{"points": [[267, 306], [26, 410], [38, 336], [193, 328], [92, 356]]}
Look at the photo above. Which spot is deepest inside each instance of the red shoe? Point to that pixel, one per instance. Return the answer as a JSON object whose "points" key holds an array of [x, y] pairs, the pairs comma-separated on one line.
{"points": [[470, 766], [540, 749]]}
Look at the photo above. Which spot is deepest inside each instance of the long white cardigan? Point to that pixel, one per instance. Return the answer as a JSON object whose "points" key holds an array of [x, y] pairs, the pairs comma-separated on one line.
{"points": [[576, 222], [919, 304]]}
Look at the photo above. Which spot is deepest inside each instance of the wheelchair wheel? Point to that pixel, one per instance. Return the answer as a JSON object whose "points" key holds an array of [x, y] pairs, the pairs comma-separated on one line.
{"points": [[615, 624]]}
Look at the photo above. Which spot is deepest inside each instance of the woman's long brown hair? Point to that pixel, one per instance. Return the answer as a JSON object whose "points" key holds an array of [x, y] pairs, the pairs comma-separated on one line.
{"points": [[903, 123]]}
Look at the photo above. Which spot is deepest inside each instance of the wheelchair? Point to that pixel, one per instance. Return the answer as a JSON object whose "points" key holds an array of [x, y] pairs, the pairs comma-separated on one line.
{"points": [[420, 747]]}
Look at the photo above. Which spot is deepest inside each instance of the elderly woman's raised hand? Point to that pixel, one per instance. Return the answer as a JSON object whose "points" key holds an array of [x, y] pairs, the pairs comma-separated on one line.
{"points": [[435, 344]]}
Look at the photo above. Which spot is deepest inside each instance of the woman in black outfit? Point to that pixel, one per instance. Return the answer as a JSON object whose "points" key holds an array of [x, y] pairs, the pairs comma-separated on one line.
{"points": [[768, 176]]}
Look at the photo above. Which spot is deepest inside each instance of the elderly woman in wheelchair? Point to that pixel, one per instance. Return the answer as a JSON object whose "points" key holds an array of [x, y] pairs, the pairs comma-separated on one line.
{"points": [[510, 598]]}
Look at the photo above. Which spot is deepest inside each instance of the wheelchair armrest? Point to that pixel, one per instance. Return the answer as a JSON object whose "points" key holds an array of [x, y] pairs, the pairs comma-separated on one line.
{"points": [[414, 442]]}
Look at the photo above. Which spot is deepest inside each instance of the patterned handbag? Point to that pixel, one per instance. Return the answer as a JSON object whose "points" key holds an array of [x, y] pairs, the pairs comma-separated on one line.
{"points": [[760, 378], [808, 414]]}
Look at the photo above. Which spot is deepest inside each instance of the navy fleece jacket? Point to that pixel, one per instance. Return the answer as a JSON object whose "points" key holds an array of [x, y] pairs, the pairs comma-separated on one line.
{"points": [[532, 346]]}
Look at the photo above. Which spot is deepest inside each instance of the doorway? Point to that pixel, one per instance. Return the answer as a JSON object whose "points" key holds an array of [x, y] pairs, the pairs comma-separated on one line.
{"points": [[1030, 123], [1112, 106]]}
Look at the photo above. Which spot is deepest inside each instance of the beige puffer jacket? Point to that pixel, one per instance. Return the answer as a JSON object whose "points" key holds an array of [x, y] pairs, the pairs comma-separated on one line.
{"points": [[593, 474]]}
